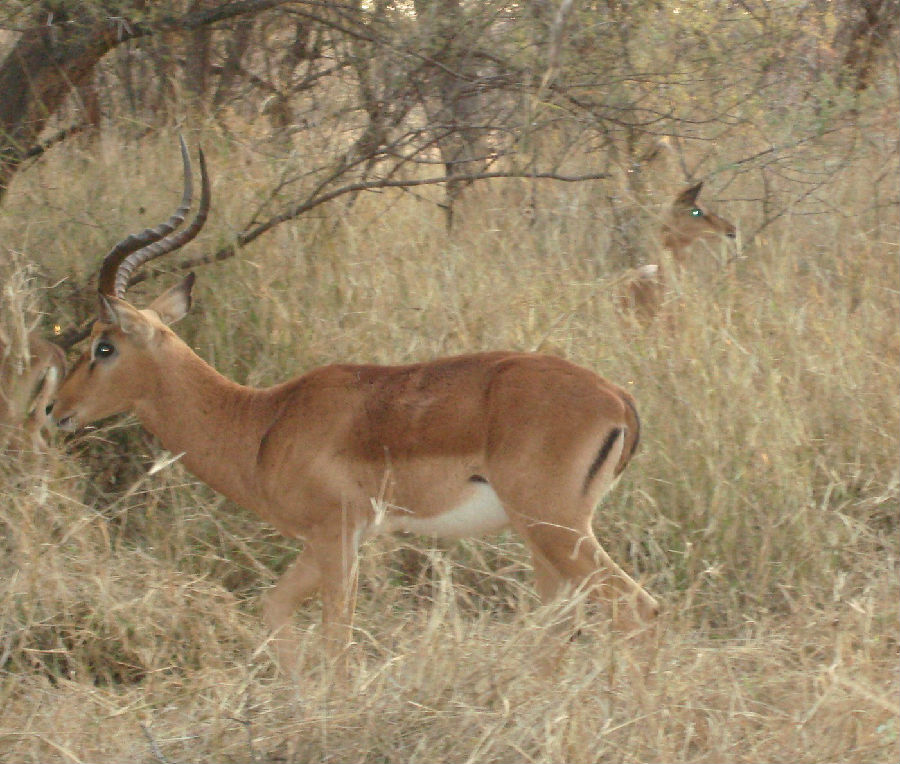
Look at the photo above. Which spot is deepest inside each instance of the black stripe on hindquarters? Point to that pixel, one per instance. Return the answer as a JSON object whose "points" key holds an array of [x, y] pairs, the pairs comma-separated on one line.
{"points": [[602, 455]]}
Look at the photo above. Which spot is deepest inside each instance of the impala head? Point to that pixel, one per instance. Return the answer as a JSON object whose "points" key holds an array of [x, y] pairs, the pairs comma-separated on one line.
{"points": [[27, 382], [128, 346], [688, 221]]}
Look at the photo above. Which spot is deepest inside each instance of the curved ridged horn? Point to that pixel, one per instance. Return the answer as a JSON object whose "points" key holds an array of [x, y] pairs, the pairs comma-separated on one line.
{"points": [[107, 277], [171, 242], [137, 249]]}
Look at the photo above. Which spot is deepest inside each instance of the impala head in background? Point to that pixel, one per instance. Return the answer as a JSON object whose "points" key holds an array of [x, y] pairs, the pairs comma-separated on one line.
{"points": [[688, 221], [685, 223], [27, 385], [456, 447]]}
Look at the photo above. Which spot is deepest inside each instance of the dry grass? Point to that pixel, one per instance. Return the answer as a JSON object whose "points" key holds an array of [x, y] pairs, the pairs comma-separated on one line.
{"points": [[762, 510]]}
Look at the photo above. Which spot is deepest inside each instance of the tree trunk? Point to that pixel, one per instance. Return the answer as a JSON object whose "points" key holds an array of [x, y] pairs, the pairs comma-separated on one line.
{"points": [[197, 63], [235, 48], [453, 103], [864, 38], [89, 103], [48, 60], [60, 48]]}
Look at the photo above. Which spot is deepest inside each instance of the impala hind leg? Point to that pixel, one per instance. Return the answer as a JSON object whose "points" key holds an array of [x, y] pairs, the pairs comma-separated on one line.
{"points": [[568, 560], [553, 589], [547, 581]]}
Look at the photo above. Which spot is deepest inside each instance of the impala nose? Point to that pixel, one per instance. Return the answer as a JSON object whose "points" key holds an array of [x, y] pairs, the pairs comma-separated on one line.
{"points": [[64, 423]]}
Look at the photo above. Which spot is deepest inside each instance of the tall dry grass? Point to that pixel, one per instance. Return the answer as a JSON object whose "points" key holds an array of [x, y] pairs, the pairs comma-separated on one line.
{"points": [[762, 509]]}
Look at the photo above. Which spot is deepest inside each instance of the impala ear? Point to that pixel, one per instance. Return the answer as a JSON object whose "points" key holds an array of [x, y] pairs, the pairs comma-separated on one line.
{"points": [[106, 310], [175, 302], [123, 316], [688, 197]]}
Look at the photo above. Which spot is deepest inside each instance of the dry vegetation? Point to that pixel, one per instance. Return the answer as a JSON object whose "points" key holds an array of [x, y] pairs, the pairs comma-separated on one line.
{"points": [[762, 509]]}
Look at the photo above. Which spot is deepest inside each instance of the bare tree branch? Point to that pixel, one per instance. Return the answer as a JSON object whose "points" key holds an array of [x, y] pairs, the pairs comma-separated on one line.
{"points": [[58, 137], [250, 234]]}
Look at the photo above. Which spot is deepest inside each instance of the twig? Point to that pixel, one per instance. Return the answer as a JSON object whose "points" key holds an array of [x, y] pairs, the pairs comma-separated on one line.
{"points": [[153, 746], [74, 334], [41, 148], [245, 723]]}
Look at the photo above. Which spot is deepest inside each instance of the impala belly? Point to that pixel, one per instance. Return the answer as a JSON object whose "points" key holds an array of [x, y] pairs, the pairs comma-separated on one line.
{"points": [[478, 513]]}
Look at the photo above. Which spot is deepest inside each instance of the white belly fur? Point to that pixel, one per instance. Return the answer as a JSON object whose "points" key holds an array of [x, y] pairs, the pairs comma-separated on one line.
{"points": [[478, 514]]}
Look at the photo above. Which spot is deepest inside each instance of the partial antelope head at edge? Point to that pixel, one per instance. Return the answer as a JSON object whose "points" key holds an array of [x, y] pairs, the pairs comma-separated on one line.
{"points": [[27, 385], [456, 447]]}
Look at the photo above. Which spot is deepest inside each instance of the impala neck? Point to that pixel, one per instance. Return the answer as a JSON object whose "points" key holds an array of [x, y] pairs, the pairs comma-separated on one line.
{"points": [[216, 423]]}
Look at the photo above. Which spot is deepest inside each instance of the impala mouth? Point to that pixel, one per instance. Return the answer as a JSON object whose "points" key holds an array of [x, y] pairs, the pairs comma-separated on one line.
{"points": [[67, 423]]}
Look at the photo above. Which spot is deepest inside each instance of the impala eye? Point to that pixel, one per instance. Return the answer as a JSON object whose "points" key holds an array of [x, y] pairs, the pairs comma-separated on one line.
{"points": [[696, 212], [103, 349]]}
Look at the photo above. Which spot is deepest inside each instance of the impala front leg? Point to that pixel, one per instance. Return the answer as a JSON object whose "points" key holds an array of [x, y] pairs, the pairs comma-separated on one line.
{"points": [[297, 584], [339, 565], [328, 564]]}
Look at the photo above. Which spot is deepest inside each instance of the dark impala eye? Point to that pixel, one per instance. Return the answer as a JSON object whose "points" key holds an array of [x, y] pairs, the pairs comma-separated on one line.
{"points": [[103, 350], [696, 212]]}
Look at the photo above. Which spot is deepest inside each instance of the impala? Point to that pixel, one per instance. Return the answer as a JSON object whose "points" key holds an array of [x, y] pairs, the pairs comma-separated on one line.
{"points": [[456, 447], [686, 222], [28, 382]]}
